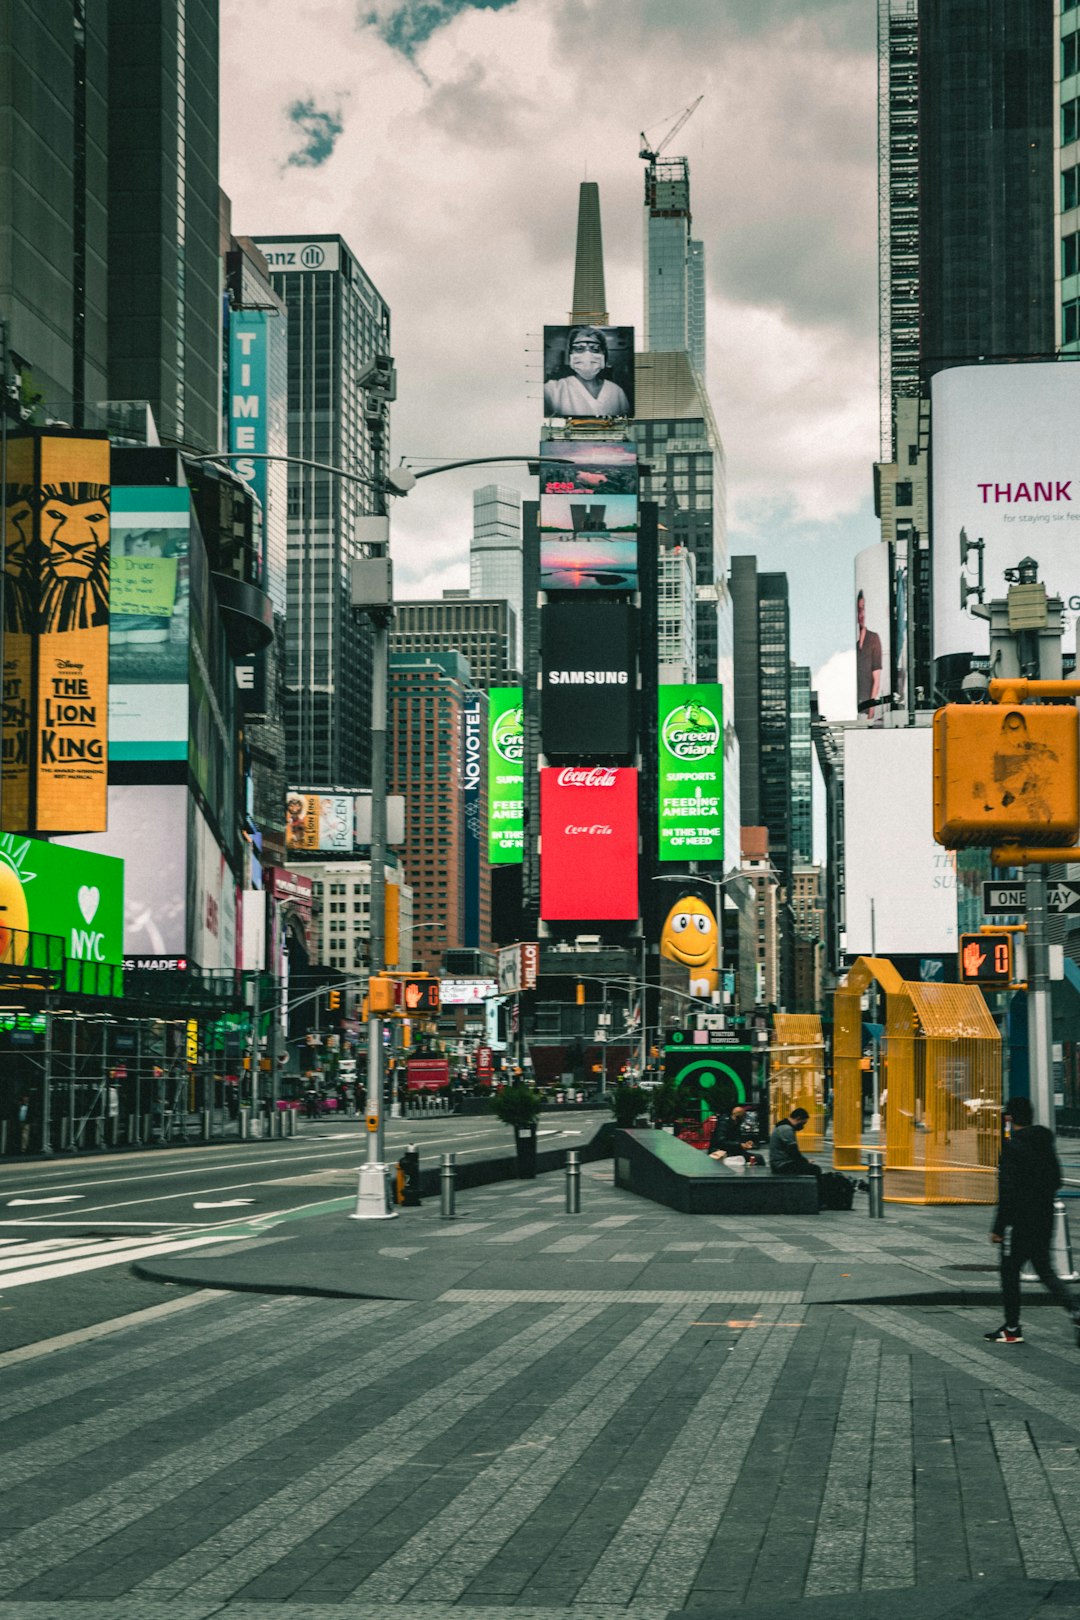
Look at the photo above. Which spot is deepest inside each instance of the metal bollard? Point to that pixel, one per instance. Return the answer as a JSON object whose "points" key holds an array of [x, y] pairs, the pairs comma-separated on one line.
{"points": [[207, 1125], [1061, 1258], [573, 1182], [447, 1178], [292, 1112], [409, 1164], [875, 1162], [245, 1121]]}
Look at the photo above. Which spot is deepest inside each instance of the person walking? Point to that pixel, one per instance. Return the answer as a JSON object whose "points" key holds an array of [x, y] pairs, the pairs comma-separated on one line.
{"points": [[1029, 1176]]}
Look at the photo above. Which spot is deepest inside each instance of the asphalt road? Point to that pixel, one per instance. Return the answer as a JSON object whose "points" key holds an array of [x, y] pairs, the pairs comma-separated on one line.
{"points": [[70, 1229]]}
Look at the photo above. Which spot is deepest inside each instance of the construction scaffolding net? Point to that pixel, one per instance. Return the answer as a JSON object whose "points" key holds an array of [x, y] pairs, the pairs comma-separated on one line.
{"points": [[797, 1074], [941, 1088]]}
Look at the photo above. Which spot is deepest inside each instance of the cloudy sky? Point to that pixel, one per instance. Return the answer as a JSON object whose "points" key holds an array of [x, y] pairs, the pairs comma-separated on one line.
{"points": [[445, 140]]}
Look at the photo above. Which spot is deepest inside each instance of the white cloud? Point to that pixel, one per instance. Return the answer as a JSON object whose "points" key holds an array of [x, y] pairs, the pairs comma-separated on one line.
{"points": [[834, 684], [454, 180]]}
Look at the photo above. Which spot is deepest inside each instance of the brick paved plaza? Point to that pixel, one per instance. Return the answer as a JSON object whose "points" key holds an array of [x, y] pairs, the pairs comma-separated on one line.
{"points": [[625, 1412]]}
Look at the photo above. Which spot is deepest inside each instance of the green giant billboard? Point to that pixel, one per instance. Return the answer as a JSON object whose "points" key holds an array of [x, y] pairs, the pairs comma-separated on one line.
{"points": [[506, 776], [66, 895], [691, 773]]}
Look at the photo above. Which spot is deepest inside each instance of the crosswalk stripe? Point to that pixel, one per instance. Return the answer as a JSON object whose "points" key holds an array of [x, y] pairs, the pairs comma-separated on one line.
{"points": [[117, 1255]]}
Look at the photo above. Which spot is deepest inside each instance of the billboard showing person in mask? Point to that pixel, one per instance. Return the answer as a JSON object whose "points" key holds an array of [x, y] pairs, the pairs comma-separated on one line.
{"points": [[588, 371], [873, 626]]}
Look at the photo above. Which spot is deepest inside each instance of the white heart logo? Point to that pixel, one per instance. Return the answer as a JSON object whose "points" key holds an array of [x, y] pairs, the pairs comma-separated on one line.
{"points": [[88, 903]]}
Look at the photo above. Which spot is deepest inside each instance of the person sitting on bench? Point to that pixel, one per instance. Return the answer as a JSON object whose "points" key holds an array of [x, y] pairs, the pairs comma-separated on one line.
{"points": [[785, 1159], [731, 1138]]}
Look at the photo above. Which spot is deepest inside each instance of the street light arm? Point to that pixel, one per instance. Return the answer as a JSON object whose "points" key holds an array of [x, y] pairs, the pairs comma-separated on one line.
{"points": [[379, 485]]}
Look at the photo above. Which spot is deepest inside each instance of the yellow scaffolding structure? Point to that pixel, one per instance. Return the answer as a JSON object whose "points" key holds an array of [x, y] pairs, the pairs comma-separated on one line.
{"points": [[797, 1074], [941, 1078]]}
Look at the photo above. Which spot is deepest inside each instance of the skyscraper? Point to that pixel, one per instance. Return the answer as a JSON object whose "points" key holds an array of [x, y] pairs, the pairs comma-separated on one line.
{"points": [[337, 323], [109, 271], [495, 555], [802, 775], [484, 633], [966, 165], [674, 265]]}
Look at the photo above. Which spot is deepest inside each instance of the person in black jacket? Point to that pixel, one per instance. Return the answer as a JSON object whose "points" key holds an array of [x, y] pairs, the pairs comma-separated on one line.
{"points": [[1029, 1176], [731, 1137]]}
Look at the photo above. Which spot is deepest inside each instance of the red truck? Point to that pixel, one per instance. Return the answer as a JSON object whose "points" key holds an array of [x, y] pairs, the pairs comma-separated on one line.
{"points": [[427, 1073]]}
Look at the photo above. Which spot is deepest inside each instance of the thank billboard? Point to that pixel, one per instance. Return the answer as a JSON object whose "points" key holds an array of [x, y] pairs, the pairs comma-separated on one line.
{"points": [[900, 886], [319, 821], [588, 696], [690, 776], [56, 632], [588, 844], [873, 631], [151, 605], [71, 894], [1006, 478], [588, 371], [506, 776]]}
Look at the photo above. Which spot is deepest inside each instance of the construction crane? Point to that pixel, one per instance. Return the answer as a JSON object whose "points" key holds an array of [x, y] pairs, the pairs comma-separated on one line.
{"points": [[647, 153]]}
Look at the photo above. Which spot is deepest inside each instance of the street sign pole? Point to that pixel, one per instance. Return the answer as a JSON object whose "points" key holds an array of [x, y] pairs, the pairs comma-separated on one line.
{"points": [[1040, 1037]]}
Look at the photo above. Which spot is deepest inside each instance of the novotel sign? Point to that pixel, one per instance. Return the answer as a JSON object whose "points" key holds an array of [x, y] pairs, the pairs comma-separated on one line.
{"points": [[588, 843]]}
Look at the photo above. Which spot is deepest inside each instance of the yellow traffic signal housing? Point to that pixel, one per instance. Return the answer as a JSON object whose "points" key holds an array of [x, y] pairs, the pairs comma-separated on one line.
{"points": [[381, 994], [333, 1000], [1006, 774]]}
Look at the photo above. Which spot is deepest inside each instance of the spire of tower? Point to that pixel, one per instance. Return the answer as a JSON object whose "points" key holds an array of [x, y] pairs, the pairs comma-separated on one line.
{"points": [[590, 300]]}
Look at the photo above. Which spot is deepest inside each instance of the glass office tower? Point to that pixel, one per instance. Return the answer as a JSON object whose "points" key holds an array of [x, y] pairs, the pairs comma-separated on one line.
{"points": [[337, 323]]}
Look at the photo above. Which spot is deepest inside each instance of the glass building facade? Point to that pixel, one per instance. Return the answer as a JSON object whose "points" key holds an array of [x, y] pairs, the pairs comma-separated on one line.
{"points": [[802, 777], [674, 265], [337, 323], [1067, 164], [495, 555]]}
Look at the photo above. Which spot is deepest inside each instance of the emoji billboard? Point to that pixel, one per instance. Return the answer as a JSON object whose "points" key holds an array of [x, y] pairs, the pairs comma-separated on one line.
{"points": [[70, 895]]}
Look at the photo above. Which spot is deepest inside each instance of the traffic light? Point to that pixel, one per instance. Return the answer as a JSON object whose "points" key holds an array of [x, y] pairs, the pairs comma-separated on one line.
{"points": [[579, 994], [333, 1000], [1006, 774], [418, 995], [986, 960], [380, 994]]}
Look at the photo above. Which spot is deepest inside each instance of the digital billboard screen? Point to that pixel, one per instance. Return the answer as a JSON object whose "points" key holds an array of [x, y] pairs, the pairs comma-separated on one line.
{"points": [[151, 605], [506, 776], [873, 631], [588, 371], [691, 773], [588, 844], [587, 467], [56, 632], [900, 886], [589, 514], [1003, 442], [148, 831], [72, 894], [315, 821], [588, 562], [588, 697]]}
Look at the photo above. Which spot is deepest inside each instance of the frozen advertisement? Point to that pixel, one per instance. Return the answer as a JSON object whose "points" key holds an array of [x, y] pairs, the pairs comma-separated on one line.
{"points": [[148, 830], [56, 632], [690, 779], [900, 885], [1006, 479], [506, 776], [71, 894], [319, 821], [873, 631], [588, 844], [248, 396], [589, 679], [588, 371], [587, 467], [472, 771], [151, 606]]}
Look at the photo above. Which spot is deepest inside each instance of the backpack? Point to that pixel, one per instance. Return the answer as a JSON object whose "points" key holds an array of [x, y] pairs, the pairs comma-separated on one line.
{"points": [[837, 1191]]}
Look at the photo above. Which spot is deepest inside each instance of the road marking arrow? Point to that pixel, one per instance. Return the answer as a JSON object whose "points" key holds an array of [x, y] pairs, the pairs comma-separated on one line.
{"points": [[58, 1198]]}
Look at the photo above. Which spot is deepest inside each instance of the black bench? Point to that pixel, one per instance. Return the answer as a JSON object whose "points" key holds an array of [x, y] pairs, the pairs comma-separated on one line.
{"points": [[661, 1167]]}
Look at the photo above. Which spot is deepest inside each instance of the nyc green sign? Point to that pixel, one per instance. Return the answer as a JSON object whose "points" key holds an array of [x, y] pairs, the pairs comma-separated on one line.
{"points": [[71, 895], [506, 776], [691, 773]]}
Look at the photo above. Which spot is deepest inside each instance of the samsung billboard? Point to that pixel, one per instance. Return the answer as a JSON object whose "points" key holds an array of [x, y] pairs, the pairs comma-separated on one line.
{"points": [[589, 679]]}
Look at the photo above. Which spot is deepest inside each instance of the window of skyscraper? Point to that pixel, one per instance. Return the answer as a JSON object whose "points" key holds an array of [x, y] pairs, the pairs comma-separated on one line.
{"points": [[1070, 253], [1070, 55], [1070, 321], [1070, 120]]}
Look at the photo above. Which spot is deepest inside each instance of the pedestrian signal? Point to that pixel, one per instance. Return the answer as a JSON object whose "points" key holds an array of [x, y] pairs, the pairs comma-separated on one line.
{"points": [[419, 995], [986, 960]]}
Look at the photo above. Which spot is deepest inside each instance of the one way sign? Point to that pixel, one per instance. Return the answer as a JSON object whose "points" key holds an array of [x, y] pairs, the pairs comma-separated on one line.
{"points": [[1004, 899], [1062, 898]]}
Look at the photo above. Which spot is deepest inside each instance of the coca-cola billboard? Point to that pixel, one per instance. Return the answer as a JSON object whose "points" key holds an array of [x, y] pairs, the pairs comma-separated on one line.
{"points": [[588, 844]]}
